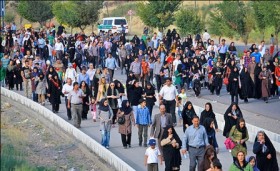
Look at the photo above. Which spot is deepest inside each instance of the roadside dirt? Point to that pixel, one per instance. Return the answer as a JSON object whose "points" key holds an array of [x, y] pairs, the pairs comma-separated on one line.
{"points": [[43, 144]]}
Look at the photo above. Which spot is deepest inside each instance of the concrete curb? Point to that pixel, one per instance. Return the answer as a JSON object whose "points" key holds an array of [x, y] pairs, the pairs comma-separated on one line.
{"points": [[96, 147], [252, 129]]}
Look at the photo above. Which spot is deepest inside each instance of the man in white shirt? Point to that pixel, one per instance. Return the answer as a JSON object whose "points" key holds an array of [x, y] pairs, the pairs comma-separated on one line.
{"points": [[167, 96], [262, 48], [59, 48], [70, 73], [205, 37], [151, 156], [67, 87], [212, 45], [91, 71]]}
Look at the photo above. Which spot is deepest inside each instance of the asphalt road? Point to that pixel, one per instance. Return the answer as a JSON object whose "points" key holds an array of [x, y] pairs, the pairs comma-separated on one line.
{"points": [[255, 112]]}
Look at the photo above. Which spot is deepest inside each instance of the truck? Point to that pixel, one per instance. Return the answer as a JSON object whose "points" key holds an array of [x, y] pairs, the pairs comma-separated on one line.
{"points": [[114, 24]]}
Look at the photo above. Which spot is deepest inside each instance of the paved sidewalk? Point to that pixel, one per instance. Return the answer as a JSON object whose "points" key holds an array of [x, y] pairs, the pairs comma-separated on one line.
{"points": [[135, 156]]}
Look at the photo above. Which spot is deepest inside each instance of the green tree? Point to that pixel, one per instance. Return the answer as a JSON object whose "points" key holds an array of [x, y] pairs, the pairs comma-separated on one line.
{"points": [[35, 11], [259, 8], [232, 17], [157, 14], [77, 13], [188, 21], [9, 17]]}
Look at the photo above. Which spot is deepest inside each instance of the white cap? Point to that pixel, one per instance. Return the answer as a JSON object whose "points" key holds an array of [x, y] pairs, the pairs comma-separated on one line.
{"points": [[17, 61], [48, 62]]}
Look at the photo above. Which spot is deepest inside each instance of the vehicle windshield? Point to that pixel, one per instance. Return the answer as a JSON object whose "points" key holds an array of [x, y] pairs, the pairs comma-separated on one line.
{"points": [[107, 22], [120, 21]]}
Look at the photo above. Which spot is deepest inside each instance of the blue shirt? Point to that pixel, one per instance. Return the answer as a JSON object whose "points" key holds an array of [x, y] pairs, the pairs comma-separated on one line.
{"points": [[143, 116], [83, 77], [195, 137], [41, 43], [5, 62], [111, 63], [257, 56], [223, 49]]}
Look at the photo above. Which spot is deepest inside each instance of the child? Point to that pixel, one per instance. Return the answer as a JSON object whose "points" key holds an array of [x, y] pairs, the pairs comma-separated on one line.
{"points": [[196, 85], [93, 108], [183, 95], [151, 156], [179, 106]]}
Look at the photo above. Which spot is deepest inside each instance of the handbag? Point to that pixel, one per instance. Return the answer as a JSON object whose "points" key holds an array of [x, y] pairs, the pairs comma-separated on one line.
{"points": [[229, 144], [121, 120], [225, 80]]}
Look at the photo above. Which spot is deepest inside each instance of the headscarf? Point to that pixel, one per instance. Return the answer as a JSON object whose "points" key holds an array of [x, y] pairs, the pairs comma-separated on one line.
{"points": [[242, 130], [248, 159], [207, 122], [185, 109], [102, 107], [126, 109]]}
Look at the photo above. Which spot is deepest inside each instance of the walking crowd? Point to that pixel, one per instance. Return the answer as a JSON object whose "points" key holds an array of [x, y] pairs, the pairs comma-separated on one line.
{"points": [[50, 65]]}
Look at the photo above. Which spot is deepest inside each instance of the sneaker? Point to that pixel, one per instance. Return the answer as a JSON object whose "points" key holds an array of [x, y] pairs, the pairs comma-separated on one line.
{"points": [[107, 147]]}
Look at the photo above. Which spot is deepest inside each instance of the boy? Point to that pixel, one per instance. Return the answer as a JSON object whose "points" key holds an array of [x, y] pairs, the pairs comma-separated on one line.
{"points": [[151, 156], [143, 121], [196, 85], [180, 107]]}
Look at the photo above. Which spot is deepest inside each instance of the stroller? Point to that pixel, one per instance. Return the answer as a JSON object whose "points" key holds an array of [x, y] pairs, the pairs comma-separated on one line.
{"points": [[196, 85]]}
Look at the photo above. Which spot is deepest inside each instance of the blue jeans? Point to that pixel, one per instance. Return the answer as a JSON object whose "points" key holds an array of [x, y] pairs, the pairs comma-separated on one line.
{"points": [[105, 138], [279, 91]]}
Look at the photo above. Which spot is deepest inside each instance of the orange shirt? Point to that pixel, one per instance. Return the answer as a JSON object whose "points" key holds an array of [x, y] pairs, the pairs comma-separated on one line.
{"points": [[145, 67]]}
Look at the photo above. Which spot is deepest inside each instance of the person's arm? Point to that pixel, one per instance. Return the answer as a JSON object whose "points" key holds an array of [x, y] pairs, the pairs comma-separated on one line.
{"points": [[69, 99], [145, 159], [257, 147], [205, 136], [231, 134], [153, 126], [185, 142]]}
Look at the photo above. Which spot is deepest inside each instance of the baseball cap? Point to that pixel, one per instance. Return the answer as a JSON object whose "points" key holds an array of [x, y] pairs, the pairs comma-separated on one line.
{"points": [[152, 142]]}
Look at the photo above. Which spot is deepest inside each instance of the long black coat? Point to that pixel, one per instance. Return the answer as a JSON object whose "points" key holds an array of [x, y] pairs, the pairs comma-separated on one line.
{"points": [[135, 95], [258, 83], [18, 78], [229, 120], [247, 85], [187, 115], [233, 85], [54, 93], [262, 162]]}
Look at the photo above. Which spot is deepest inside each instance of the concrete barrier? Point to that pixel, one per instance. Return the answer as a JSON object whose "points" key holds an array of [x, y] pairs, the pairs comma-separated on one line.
{"points": [[96, 147]]}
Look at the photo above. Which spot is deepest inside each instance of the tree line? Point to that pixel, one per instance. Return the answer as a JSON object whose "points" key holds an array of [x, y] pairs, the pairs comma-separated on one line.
{"points": [[228, 18]]}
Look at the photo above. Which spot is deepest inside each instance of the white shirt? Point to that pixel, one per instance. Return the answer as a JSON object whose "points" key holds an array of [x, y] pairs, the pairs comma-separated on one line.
{"points": [[59, 46], [210, 47], [70, 73], [50, 48], [91, 73], [262, 49], [152, 155], [168, 93], [176, 62], [68, 88], [205, 36]]}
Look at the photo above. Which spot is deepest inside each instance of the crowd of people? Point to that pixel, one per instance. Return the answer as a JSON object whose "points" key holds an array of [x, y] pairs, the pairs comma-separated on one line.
{"points": [[49, 65]]}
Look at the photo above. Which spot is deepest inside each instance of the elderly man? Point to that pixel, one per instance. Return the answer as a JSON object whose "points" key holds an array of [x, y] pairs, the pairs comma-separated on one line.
{"points": [[159, 123]]}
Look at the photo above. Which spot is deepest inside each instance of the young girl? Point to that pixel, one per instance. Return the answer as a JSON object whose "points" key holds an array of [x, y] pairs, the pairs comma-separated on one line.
{"points": [[179, 106], [93, 108]]}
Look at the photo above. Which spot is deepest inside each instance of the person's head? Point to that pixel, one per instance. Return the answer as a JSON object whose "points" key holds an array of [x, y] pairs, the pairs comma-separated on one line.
{"points": [[189, 105], [179, 100], [75, 85], [240, 156], [69, 81], [262, 42], [208, 107], [152, 143], [162, 109], [256, 50], [195, 121], [91, 66], [241, 123], [264, 68], [210, 153], [136, 59], [261, 136], [105, 102], [235, 69], [83, 84], [217, 166], [252, 161], [234, 106], [253, 59], [168, 81], [183, 90], [223, 41], [103, 80], [136, 84], [112, 85], [142, 102]]}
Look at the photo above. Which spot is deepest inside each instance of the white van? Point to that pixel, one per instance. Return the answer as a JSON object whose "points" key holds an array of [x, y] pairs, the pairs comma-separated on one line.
{"points": [[114, 24]]}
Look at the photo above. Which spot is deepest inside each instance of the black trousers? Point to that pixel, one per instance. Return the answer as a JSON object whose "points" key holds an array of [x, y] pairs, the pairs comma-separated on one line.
{"points": [[20, 85], [115, 111], [170, 108], [234, 99], [68, 109], [55, 107], [223, 56], [158, 79], [126, 139]]}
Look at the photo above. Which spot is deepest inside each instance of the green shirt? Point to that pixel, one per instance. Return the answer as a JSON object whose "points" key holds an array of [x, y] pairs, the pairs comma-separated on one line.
{"points": [[233, 167], [2, 73]]}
